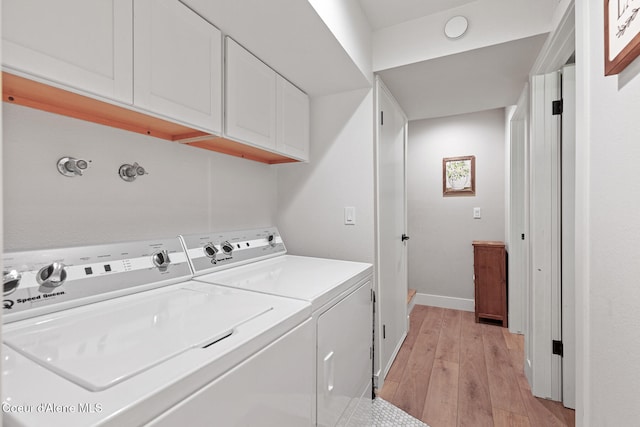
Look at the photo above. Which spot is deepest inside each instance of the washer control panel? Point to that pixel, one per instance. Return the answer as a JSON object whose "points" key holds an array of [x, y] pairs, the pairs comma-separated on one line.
{"points": [[38, 282], [208, 252]]}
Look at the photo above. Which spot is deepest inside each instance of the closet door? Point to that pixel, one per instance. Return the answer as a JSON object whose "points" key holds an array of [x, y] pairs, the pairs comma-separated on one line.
{"points": [[250, 98], [178, 64], [86, 45]]}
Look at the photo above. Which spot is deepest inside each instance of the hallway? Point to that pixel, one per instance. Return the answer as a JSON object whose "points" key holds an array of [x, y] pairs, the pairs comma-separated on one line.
{"points": [[451, 371]]}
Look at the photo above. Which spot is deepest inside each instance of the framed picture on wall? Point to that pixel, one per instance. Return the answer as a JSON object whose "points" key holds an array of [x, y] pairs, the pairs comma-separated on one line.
{"points": [[459, 176], [621, 34]]}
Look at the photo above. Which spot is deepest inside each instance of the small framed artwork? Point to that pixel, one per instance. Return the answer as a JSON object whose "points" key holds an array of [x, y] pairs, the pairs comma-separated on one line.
{"points": [[459, 176], [621, 34]]}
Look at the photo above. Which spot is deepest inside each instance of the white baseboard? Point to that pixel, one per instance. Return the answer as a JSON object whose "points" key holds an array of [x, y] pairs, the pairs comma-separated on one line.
{"points": [[463, 304]]}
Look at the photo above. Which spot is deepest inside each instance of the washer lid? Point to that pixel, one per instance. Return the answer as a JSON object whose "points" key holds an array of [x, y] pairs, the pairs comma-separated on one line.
{"points": [[98, 346]]}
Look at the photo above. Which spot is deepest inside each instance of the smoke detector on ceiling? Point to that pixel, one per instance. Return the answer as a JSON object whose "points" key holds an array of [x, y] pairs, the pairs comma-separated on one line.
{"points": [[456, 27]]}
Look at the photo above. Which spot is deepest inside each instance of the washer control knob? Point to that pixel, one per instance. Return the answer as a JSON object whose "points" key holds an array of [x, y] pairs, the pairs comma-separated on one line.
{"points": [[161, 259], [227, 247], [11, 281], [53, 275], [271, 238], [210, 250]]}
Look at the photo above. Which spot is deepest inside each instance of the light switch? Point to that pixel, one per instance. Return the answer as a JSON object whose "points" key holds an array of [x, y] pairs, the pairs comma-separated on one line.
{"points": [[476, 213], [349, 215]]}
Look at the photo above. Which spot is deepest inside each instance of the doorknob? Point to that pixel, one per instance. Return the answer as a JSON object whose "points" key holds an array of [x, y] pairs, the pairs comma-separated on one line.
{"points": [[404, 237]]}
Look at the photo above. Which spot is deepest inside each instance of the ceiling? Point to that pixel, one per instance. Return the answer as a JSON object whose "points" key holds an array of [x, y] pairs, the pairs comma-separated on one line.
{"points": [[474, 78], [385, 13]]}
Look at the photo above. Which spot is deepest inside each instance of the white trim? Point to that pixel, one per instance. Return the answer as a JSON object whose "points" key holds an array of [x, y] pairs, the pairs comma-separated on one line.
{"points": [[410, 306], [586, 37], [454, 303], [559, 46]]}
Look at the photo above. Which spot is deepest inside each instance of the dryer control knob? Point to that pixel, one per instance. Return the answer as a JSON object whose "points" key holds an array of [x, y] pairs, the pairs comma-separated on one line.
{"points": [[53, 275], [161, 259], [227, 247], [210, 250], [11, 281], [271, 238]]}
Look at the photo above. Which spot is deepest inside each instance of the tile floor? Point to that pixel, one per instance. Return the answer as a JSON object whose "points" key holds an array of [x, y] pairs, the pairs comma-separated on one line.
{"points": [[387, 415]]}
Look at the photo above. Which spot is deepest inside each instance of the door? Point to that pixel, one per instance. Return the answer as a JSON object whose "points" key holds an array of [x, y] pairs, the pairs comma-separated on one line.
{"points": [[250, 97], [550, 335], [391, 229], [178, 64], [87, 45]]}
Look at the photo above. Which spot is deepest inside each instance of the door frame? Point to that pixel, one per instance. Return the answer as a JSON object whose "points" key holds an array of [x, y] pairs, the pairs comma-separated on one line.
{"points": [[544, 375]]}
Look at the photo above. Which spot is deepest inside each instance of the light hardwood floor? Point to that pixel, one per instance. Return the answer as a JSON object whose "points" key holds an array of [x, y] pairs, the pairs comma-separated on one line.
{"points": [[451, 371]]}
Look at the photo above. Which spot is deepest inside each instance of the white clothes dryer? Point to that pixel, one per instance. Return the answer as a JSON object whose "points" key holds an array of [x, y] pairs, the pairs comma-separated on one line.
{"points": [[340, 294]]}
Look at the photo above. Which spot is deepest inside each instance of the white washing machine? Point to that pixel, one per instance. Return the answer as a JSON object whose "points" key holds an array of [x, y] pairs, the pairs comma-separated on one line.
{"points": [[340, 294], [118, 335]]}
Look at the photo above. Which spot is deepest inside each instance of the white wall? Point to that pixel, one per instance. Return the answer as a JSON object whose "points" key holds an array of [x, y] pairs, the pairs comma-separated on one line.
{"points": [[312, 197], [608, 231], [442, 228], [187, 190], [350, 27]]}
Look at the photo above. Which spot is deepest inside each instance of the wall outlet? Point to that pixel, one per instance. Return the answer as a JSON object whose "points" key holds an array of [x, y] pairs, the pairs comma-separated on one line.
{"points": [[477, 214]]}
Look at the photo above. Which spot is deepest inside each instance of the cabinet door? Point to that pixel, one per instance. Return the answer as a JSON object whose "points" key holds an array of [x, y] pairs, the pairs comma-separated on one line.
{"points": [[178, 64], [250, 98], [344, 355], [293, 120], [81, 44]]}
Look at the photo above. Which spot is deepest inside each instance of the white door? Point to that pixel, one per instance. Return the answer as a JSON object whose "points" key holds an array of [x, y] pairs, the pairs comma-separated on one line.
{"points": [[87, 45], [178, 64], [293, 120], [391, 227], [250, 97], [550, 340]]}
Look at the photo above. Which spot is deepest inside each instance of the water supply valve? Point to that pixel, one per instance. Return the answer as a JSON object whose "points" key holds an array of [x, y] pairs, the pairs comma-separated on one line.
{"points": [[130, 172]]}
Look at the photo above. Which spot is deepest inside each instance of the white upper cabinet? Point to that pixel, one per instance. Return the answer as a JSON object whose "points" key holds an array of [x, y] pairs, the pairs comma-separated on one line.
{"points": [[262, 108], [250, 114], [293, 120], [177, 63], [82, 44]]}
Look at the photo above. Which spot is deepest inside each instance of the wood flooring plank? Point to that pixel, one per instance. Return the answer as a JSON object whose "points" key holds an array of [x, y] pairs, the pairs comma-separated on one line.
{"points": [[538, 414], [565, 415], [441, 404], [503, 382], [412, 391], [502, 418], [389, 389], [514, 341], [415, 322], [449, 343], [474, 403]]}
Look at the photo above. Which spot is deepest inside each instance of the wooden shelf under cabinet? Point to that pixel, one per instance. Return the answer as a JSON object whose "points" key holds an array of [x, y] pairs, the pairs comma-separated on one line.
{"points": [[490, 282], [41, 96]]}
